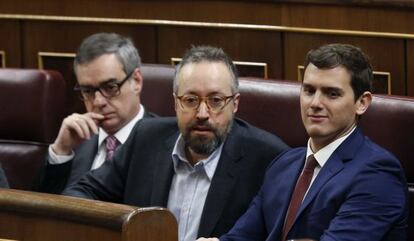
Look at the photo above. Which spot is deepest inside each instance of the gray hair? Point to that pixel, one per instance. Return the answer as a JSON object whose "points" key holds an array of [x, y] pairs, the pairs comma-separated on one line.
{"points": [[99, 44], [197, 54]]}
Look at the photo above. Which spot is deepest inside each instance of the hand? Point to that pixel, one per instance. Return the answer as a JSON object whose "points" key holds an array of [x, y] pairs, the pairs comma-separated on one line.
{"points": [[207, 239], [75, 129]]}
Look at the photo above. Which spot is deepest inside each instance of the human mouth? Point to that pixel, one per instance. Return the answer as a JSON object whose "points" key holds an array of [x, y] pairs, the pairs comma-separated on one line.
{"points": [[317, 118]]}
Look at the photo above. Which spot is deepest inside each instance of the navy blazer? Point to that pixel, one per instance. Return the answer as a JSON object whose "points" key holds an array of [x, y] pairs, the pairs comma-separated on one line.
{"points": [[142, 170], [56, 177], [359, 194]]}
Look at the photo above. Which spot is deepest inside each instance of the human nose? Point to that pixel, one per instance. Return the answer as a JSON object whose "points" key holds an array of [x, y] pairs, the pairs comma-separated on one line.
{"points": [[99, 99], [316, 100], [202, 110]]}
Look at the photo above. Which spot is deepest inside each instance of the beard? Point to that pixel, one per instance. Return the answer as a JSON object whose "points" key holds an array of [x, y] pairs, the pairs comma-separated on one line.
{"points": [[205, 145]]}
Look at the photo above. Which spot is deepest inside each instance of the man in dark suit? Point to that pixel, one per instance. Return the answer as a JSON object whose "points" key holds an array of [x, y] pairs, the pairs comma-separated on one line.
{"points": [[205, 165], [107, 67], [348, 188]]}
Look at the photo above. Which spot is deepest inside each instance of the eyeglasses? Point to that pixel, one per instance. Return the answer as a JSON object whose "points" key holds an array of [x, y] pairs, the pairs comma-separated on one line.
{"points": [[215, 103], [108, 89]]}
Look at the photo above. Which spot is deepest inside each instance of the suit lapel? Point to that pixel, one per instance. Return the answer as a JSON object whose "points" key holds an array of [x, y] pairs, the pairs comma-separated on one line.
{"points": [[223, 182], [335, 164], [84, 158], [164, 171]]}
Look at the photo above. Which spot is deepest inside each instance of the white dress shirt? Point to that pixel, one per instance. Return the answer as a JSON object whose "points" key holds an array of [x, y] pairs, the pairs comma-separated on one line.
{"points": [[189, 189], [324, 154]]}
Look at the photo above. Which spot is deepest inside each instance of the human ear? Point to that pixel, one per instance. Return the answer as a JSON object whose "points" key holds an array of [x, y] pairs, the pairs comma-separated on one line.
{"points": [[363, 102]]}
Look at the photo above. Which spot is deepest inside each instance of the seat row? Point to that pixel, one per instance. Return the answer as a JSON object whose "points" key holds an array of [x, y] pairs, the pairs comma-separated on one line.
{"points": [[32, 103]]}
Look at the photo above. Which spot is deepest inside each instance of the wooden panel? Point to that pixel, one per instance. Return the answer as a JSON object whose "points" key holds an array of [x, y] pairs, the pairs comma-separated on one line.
{"points": [[303, 13], [34, 216], [2, 59], [410, 67], [241, 45], [66, 37], [10, 43], [63, 62], [392, 60]]}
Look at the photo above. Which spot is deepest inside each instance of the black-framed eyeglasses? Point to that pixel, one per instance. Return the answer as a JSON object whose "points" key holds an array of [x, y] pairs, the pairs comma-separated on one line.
{"points": [[108, 89], [215, 103]]}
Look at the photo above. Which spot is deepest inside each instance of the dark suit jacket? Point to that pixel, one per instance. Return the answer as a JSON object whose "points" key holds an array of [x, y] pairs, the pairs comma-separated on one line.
{"points": [[57, 177], [359, 194], [141, 172], [3, 179]]}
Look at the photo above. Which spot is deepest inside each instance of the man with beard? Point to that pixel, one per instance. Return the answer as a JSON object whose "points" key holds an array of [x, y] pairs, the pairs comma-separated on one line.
{"points": [[341, 186], [205, 165]]}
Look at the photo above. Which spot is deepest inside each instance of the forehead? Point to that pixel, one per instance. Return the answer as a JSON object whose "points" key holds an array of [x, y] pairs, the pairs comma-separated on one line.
{"points": [[204, 78], [338, 77], [99, 70]]}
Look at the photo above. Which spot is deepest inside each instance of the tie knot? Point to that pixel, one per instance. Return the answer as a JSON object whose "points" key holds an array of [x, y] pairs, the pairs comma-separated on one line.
{"points": [[310, 163], [111, 143]]}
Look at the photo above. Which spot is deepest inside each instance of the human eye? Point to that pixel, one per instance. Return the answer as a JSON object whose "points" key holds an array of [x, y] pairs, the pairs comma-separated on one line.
{"points": [[215, 100], [190, 100], [333, 94], [87, 90], [110, 87], [307, 90]]}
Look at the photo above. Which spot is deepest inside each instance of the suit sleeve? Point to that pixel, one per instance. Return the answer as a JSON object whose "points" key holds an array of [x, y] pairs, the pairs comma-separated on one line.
{"points": [[250, 226], [105, 183], [374, 208], [53, 178]]}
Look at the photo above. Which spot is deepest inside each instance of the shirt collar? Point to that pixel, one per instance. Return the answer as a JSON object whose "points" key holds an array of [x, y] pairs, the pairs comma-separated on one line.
{"points": [[323, 154], [123, 133], [209, 164]]}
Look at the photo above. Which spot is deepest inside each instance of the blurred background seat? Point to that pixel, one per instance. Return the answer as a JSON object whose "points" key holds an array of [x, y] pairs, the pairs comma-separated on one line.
{"points": [[31, 106]]}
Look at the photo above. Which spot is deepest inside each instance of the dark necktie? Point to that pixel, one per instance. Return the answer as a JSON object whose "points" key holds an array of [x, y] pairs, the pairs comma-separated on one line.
{"points": [[111, 143], [301, 187]]}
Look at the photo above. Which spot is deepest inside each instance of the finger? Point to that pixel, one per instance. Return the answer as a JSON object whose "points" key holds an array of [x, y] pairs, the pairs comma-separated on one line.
{"points": [[78, 124], [87, 125], [96, 117], [92, 120]]}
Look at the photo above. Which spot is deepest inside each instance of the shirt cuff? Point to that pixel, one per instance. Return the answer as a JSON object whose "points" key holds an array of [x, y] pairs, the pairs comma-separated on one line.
{"points": [[56, 159]]}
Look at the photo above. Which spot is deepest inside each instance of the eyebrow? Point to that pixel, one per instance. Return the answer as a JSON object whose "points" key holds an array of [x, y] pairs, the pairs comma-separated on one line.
{"points": [[110, 80]]}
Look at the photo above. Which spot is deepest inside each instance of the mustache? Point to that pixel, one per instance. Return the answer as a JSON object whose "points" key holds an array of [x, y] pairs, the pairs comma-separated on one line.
{"points": [[200, 123]]}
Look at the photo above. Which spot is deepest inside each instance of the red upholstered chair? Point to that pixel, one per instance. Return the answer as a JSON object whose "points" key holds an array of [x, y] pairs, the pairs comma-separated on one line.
{"points": [[157, 92], [31, 107], [274, 106]]}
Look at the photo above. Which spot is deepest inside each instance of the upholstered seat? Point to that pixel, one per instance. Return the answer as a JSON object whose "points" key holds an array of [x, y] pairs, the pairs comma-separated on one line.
{"points": [[31, 107]]}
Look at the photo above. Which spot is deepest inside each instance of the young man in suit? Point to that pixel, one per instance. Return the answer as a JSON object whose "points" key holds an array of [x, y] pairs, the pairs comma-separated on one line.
{"points": [[205, 165], [107, 68], [348, 188]]}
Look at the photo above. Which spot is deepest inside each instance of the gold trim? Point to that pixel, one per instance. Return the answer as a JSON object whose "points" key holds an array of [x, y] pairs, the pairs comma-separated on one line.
{"points": [[175, 61], [206, 25], [40, 56], [387, 74], [300, 68], [3, 58]]}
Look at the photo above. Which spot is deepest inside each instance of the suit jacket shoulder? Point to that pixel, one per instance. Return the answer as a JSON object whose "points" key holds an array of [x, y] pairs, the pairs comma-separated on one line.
{"points": [[246, 153]]}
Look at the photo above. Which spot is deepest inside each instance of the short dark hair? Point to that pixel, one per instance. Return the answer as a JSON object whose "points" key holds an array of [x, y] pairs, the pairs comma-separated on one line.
{"points": [[197, 54], [99, 44], [350, 57]]}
